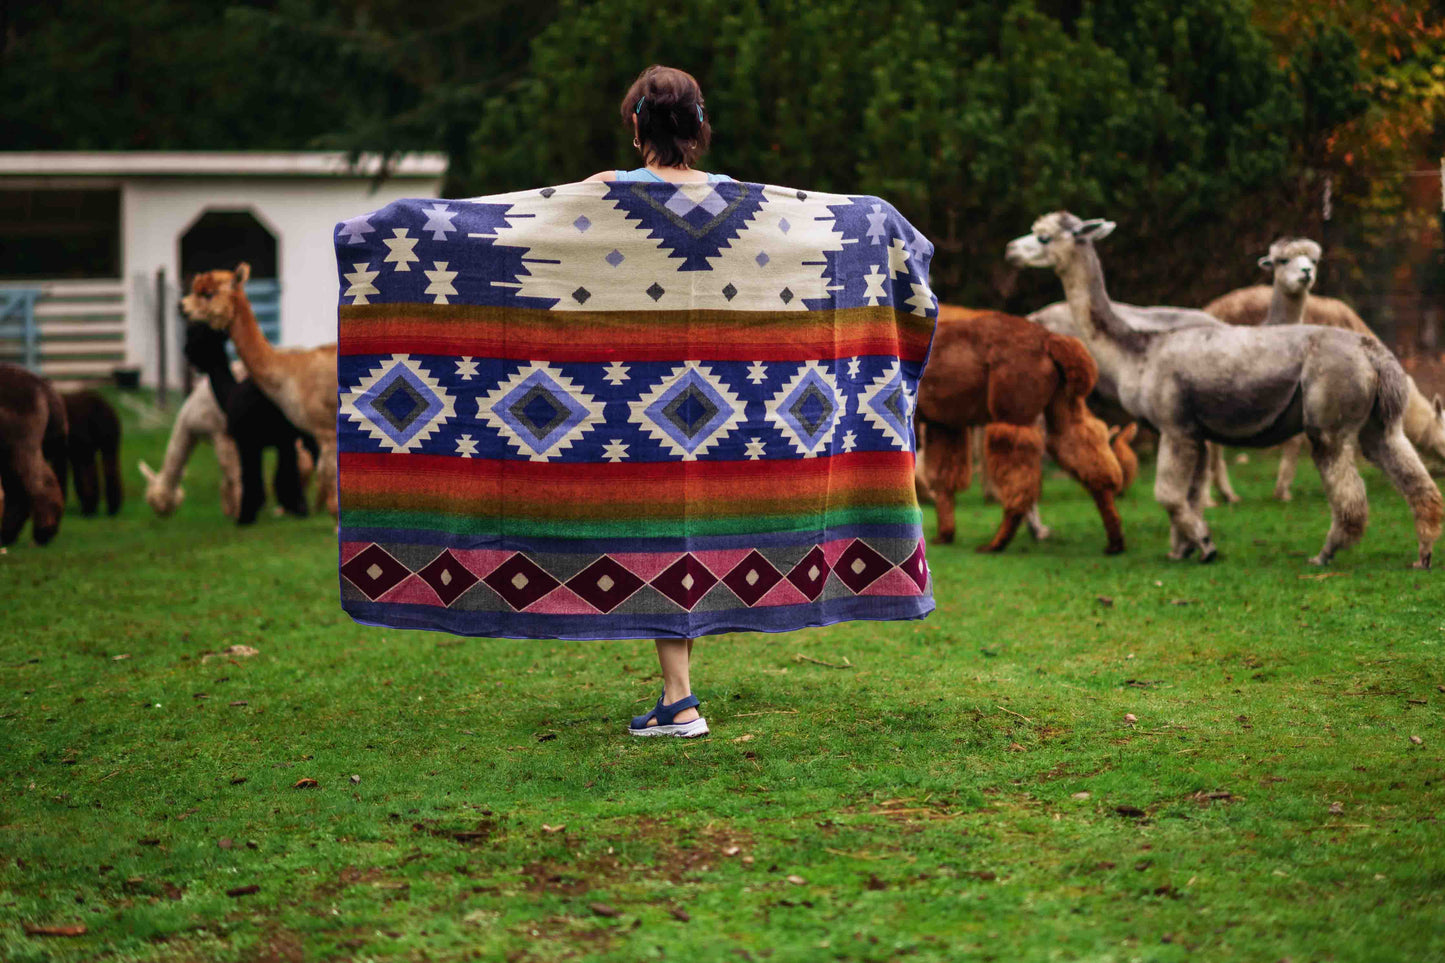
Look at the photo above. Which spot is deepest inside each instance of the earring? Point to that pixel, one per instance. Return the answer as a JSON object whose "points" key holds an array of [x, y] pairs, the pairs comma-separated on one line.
{"points": [[635, 143]]}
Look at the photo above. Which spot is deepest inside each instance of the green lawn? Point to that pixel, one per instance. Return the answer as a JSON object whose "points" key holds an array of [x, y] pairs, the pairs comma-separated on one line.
{"points": [[969, 788]]}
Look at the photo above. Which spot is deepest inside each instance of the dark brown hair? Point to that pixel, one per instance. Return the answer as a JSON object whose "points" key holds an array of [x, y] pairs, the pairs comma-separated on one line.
{"points": [[672, 125]]}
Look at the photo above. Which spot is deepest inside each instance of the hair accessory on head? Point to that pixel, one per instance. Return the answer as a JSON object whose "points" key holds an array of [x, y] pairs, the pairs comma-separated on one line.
{"points": [[640, 102], [699, 113]]}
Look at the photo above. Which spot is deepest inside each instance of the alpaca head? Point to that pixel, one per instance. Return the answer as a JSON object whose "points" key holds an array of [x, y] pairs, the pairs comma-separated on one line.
{"points": [[162, 497], [1055, 240], [213, 296], [1294, 262]]}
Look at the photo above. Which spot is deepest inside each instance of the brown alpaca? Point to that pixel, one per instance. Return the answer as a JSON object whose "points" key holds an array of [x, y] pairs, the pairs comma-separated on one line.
{"points": [[32, 439], [1004, 372], [302, 381]]}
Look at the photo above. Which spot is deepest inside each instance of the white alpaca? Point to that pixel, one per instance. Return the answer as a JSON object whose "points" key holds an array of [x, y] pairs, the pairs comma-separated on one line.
{"points": [[200, 419]]}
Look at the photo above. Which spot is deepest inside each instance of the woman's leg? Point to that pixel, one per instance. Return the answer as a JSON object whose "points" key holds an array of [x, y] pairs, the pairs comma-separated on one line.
{"points": [[674, 656]]}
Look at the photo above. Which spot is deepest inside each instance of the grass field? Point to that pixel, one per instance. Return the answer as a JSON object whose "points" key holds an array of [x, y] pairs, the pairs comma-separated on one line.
{"points": [[969, 787]]}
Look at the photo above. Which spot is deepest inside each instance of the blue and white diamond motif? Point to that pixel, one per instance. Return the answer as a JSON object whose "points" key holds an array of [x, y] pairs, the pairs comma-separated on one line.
{"points": [[689, 411], [887, 404], [807, 409], [540, 410], [399, 404]]}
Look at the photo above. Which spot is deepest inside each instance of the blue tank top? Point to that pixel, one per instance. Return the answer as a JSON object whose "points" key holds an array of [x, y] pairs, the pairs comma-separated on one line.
{"points": [[643, 174]]}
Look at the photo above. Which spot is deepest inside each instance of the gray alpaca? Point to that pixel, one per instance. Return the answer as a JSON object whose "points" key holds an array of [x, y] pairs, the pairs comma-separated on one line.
{"points": [[1250, 387]]}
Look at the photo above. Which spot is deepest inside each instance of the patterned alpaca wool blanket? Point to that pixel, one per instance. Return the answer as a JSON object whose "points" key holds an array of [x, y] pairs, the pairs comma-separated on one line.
{"points": [[631, 410]]}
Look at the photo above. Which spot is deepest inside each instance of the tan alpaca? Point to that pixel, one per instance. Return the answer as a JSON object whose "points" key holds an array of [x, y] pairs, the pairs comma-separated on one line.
{"points": [[1424, 419], [302, 381], [200, 419]]}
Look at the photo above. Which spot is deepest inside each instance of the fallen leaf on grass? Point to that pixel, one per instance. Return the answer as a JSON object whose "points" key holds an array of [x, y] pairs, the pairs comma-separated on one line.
{"points": [[238, 780], [845, 664], [355, 779], [732, 850], [553, 829], [243, 890], [605, 909], [1417, 740], [1182, 601], [240, 702], [1324, 575], [547, 737], [1106, 601], [1080, 795], [1015, 747], [1133, 812], [233, 653], [1336, 808], [1130, 718], [118, 658], [680, 914], [149, 842], [225, 842], [745, 737], [306, 783], [796, 880], [875, 883]]}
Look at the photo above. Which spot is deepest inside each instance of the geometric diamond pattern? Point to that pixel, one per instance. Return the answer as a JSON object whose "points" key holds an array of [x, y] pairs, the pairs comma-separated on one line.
{"points": [[448, 577], [520, 581], [399, 404], [807, 409], [374, 571], [688, 411], [540, 410], [752, 578], [810, 574], [860, 566], [685, 581], [605, 584], [916, 567], [888, 406]]}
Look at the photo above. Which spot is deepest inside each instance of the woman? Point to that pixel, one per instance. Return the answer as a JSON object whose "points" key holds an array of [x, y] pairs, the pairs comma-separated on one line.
{"points": [[664, 109]]}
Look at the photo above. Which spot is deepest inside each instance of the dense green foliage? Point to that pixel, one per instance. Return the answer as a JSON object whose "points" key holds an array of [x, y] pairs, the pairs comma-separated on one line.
{"points": [[971, 788], [1173, 118]]}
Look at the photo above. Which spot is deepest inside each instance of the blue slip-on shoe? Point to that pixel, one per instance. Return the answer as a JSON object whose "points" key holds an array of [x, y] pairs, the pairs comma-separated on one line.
{"points": [[665, 724]]}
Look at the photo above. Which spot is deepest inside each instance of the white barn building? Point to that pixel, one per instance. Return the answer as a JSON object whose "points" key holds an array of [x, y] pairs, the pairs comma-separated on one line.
{"points": [[84, 237]]}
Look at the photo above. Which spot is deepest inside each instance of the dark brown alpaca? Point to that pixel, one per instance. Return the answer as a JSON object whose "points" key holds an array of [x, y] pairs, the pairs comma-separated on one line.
{"points": [[94, 432], [1003, 372], [32, 437]]}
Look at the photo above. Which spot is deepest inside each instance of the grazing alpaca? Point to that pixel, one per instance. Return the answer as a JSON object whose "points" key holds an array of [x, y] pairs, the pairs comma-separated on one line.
{"points": [[200, 419], [32, 440], [94, 431], [997, 370], [1253, 387], [1259, 304], [254, 423], [302, 381]]}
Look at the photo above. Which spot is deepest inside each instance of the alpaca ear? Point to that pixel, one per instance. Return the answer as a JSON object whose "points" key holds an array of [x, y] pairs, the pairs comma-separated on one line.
{"points": [[243, 273], [1439, 407], [1094, 230], [147, 471], [1267, 263]]}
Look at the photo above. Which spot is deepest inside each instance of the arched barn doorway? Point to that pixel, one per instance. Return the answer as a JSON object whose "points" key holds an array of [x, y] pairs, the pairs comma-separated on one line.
{"points": [[222, 239]]}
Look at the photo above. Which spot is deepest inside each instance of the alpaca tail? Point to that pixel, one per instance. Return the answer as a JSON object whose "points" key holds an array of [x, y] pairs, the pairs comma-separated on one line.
{"points": [[1120, 441], [1075, 363], [1392, 393]]}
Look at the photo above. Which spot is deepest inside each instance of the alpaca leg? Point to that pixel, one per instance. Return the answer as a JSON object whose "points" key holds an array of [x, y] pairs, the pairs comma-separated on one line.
{"points": [[253, 485], [87, 482], [1349, 509], [1219, 468], [228, 460], [326, 480], [47, 498], [16, 507], [110, 467], [1206, 498], [1288, 460], [1036, 525], [978, 455], [1013, 455], [1398, 459], [1178, 485], [287, 480], [1080, 444], [947, 470]]}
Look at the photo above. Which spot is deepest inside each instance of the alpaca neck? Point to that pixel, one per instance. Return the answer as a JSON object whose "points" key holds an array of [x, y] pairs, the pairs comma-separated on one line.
{"points": [[251, 344], [178, 451], [1286, 308], [223, 379], [1089, 302]]}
